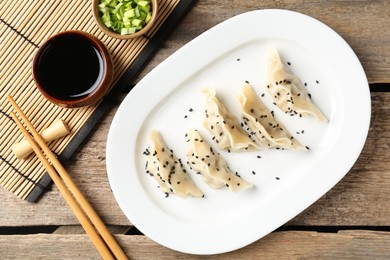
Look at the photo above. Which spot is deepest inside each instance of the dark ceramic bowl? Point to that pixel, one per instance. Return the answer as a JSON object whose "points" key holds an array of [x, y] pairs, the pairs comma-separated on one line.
{"points": [[64, 68]]}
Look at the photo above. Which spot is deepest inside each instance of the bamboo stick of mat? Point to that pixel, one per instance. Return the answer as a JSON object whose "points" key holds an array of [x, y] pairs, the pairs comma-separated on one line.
{"points": [[71, 193]]}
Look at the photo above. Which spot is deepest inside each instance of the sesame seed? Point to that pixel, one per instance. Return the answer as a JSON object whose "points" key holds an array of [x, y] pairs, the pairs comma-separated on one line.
{"points": [[253, 172], [288, 63]]}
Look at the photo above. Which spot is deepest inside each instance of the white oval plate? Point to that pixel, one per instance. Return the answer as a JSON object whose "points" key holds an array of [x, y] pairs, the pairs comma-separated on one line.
{"points": [[286, 182]]}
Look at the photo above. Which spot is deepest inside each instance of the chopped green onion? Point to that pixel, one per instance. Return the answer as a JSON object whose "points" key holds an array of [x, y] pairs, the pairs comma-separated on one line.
{"points": [[125, 16]]}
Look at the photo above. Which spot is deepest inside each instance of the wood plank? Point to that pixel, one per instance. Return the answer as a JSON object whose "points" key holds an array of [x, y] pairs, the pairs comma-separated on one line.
{"points": [[355, 244], [369, 37], [361, 198]]}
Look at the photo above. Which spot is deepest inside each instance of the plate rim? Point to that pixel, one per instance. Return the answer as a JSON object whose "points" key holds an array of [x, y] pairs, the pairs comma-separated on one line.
{"points": [[172, 59]]}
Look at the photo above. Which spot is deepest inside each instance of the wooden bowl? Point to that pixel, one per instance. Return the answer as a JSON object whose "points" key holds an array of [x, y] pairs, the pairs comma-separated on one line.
{"points": [[67, 69], [106, 30]]}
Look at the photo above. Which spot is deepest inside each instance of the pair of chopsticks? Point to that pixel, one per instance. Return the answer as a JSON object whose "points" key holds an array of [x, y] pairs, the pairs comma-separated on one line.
{"points": [[103, 240]]}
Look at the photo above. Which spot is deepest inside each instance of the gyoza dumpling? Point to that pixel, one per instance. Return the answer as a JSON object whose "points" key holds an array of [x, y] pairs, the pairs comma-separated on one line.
{"points": [[262, 124], [163, 165], [223, 126], [212, 167], [287, 90]]}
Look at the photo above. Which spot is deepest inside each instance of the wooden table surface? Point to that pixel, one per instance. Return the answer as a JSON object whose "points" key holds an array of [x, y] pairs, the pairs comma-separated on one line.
{"points": [[352, 220]]}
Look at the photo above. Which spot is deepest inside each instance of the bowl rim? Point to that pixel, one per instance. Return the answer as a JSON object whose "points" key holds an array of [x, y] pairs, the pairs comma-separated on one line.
{"points": [[96, 16], [98, 92]]}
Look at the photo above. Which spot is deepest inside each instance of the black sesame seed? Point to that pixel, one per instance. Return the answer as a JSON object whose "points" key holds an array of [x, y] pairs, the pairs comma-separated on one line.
{"points": [[247, 82], [253, 172], [259, 156], [288, 63], [307, 147], [277, 178], [191, 110], [317, 82], [238, 59]]}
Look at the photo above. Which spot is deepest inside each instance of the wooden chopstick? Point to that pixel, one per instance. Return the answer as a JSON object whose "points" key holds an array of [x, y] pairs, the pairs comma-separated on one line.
{"points": [[71, 193]]}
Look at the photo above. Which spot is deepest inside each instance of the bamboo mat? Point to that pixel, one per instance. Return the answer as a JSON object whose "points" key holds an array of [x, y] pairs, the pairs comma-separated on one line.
{"points": [[24, 25]]}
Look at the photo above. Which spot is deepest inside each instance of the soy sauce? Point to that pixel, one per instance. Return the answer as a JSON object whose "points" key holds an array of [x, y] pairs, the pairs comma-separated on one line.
{"points": [[70, 67]]}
